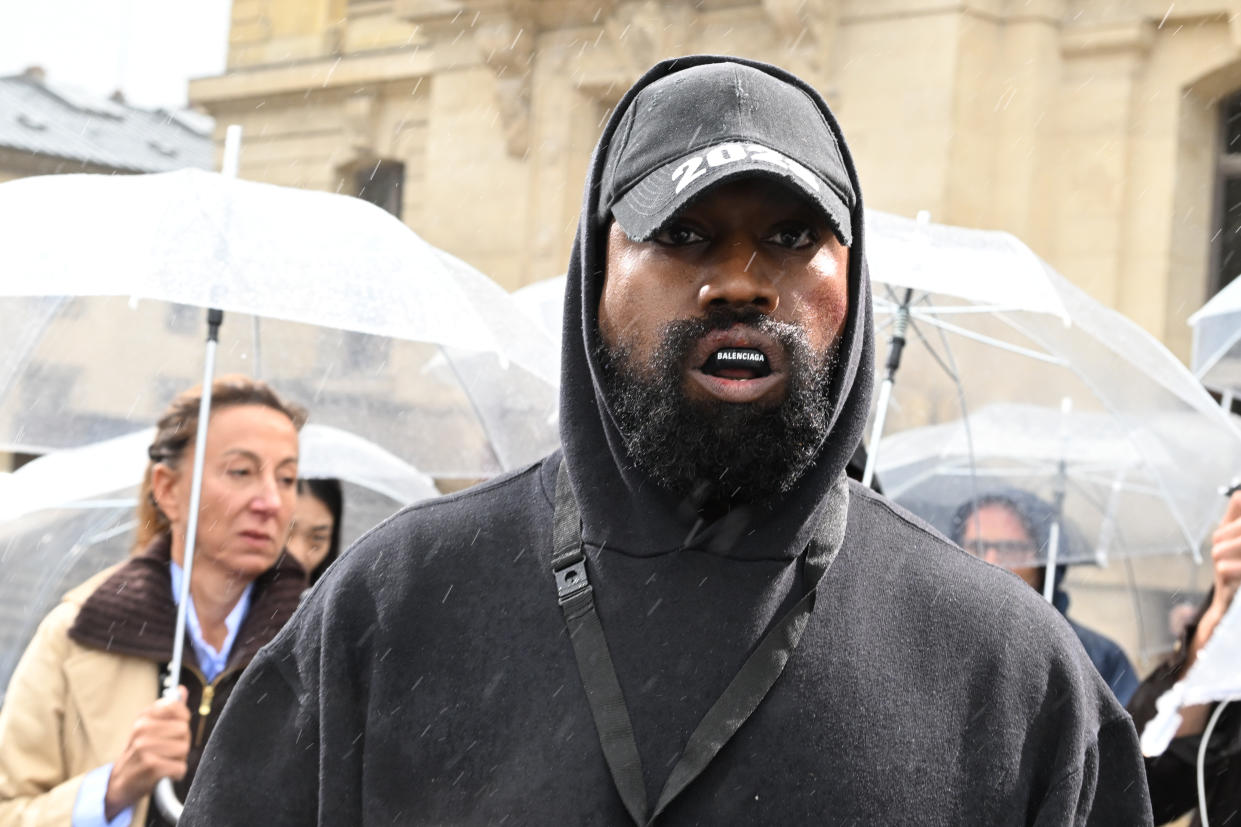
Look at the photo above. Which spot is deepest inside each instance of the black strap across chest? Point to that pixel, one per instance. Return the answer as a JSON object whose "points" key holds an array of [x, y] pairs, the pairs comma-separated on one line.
{"points": [[607, 704]]}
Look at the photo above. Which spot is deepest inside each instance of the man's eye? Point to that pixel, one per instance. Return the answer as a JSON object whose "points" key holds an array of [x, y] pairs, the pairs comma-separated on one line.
{"points": [[794, 238], [239, 472], [678, 235]]}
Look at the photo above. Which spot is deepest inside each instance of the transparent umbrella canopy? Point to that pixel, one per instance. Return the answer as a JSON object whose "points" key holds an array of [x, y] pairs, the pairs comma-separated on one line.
{"points": [[331, 299], [69, 514], [543, 302], [988, 322], [1113, 503], [1216, 356]]}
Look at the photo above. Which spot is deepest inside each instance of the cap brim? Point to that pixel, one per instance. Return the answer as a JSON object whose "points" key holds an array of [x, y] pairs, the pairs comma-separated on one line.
{"points": [[652, 202]]}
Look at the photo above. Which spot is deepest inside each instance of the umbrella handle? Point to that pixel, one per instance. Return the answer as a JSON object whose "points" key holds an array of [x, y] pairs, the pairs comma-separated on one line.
{"points": [[165, 797], [166, 800]]}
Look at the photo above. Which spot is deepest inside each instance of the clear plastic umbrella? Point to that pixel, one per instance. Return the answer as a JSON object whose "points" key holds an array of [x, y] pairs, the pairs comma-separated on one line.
{"points": [[1216, 356], [1108, 484], [197, 239], [989, 322], [334, 301]]}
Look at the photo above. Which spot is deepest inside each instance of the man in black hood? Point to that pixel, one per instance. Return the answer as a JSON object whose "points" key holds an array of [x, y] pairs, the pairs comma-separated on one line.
{"points": [[687, 616]]}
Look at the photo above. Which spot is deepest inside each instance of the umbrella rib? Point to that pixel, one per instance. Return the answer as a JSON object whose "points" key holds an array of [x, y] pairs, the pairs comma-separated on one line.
{"points": [[987, 340], [949, 370], [1162, 485], [960, 309], [1211, 361]]}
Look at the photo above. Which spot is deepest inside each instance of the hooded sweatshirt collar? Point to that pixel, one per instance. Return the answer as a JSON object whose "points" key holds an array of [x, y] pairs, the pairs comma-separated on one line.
{"points": [[622, 509]]}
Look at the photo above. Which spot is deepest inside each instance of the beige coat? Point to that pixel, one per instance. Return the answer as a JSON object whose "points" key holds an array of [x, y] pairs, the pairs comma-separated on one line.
{"points": [[68, 710]]}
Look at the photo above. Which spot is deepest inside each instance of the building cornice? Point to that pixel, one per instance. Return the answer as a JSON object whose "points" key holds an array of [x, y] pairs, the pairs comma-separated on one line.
{"points": [[329, 72]]}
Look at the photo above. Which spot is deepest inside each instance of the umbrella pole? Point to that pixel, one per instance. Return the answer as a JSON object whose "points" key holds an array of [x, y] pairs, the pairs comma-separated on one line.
{"points": [[1054, 535], [1049, 573], [165, 797], [258, 351], [896, 344]]}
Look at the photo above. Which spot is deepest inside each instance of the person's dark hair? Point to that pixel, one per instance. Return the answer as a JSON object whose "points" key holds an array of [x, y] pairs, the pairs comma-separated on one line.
{"points": [[1036, 516], [176, 429], [331, 494]]}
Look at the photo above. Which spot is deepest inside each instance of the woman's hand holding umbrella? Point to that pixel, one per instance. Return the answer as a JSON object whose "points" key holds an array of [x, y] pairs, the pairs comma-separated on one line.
{"points": [[158, 747]]}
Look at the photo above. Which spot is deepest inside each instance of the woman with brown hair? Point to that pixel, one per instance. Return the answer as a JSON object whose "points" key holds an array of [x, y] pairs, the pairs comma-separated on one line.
{"points": [[84, 735]]}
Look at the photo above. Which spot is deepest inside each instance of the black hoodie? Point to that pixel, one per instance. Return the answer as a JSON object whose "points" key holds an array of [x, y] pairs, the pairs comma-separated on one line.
{"points": [[429, 678]]}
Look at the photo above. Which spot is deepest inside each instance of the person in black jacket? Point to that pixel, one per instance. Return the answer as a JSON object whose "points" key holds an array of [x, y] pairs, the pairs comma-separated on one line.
{"points": [[688, 615], [1011, 528], [1172, 775]]}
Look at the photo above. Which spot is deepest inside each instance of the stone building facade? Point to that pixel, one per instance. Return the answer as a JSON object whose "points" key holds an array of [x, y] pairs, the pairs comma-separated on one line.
{"points": [[1091, 129]]}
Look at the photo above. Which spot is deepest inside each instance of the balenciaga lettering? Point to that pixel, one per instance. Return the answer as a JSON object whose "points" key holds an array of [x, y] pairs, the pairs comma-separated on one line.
{"points": [[741, 355]]}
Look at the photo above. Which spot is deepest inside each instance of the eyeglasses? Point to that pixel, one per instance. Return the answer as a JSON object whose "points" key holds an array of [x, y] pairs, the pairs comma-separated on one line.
{"points": [[1004, 549]]}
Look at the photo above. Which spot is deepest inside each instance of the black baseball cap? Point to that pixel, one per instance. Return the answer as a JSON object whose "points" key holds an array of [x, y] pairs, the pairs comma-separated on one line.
{"points": [[716, 122]]}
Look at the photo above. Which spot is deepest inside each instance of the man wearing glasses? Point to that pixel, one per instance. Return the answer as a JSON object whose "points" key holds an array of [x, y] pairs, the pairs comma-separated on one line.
{"points": [[1011, 528]]}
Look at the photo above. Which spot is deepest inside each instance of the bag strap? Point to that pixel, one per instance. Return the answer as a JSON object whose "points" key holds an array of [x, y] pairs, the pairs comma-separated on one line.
{"points": [[594, 660], [732, 709]]}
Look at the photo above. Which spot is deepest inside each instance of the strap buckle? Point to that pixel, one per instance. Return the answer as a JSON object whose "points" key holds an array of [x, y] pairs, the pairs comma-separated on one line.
{"points": [[571, 580]]}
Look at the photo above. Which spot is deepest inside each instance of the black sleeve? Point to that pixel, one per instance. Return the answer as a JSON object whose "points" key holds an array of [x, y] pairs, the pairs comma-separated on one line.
{"points": [[1101, 791], [261, 763], [285, 750]]}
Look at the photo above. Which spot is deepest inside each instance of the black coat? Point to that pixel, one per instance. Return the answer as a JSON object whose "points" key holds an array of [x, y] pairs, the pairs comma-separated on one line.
{"points": [[429, 678]]}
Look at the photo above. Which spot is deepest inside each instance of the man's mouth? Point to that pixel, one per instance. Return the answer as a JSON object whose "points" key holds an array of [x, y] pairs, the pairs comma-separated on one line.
{"points": [[737, 363]]}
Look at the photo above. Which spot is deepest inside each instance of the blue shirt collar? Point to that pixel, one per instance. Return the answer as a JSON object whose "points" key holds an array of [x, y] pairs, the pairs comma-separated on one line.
{"points": [[211, 662]]}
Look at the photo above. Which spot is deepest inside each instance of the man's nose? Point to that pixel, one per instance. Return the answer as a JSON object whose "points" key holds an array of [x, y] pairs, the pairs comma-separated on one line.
{"points": [[739, 278]]}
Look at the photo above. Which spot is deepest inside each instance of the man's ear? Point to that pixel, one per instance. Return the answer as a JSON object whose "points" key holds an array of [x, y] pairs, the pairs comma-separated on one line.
{"points": [[164, 485]]}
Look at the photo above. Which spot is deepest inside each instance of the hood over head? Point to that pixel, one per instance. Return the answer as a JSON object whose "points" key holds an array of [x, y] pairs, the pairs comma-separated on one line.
{"points": [[739, 118]]}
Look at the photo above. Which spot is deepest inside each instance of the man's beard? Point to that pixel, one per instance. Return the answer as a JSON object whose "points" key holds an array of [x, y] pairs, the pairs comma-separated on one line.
{"points": [[713, 451]]}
